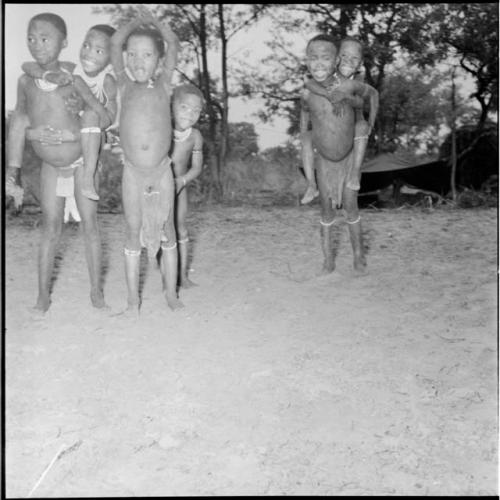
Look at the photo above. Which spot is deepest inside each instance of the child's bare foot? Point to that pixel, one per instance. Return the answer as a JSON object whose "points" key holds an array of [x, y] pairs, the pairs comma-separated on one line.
{"points": [[173, 302], [88, 190], [353, 184], [309, 195], [91, 194], [42, 304], [187, 283], [360, 265], [328, 267], [131, 312], [97, 299]]}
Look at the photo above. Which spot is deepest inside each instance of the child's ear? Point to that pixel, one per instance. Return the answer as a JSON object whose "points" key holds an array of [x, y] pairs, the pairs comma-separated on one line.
{"points": [[65, 43]]}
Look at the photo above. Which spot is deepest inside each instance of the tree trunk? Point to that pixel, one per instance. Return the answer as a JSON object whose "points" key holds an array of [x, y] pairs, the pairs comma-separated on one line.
{"points": [[224, 127], [214, 192], [453, 139]]}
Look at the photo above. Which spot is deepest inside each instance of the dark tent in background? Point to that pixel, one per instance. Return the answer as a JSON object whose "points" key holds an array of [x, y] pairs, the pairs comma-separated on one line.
{"points": [[398, 169], [477, 165]]}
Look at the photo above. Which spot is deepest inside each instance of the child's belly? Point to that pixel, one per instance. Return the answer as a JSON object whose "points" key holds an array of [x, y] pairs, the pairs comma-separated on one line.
{"points": [[332, 135], [145, 136], [50, 109]]}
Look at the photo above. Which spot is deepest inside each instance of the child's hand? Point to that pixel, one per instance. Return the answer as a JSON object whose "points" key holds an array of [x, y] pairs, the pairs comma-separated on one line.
{"points": [[180, 182], [60, 78], [337, 96], [145, 15], [44, 134], [74, 103]]}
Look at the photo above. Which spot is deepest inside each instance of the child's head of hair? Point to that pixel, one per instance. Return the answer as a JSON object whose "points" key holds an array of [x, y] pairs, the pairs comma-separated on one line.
{"points": [[321, 57], [47, 36], [350, 56], [95, 52], [106, 29], [353, 40], [187, 89], [187, 104], [322, 37], [151, 33], [56, 21], [144, 48]]}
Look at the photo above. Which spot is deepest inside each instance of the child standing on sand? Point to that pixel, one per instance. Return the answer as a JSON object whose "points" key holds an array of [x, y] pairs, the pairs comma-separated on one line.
{"points": [[332, 139], [40, 106], [187, 104], [148, 188]]}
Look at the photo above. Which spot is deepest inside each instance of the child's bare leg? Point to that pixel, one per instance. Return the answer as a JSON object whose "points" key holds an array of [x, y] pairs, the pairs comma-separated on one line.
{"points": [[307, 154], [183, 240], [131, 199], [354, 223], [327, 221], [52, 215], [361, 131], [169, 260], [169, 273], [91, 143], [92, 240]]}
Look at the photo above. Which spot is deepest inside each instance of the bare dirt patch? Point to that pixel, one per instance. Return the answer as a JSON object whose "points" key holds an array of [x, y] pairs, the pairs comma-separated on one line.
{"points": [[273, 379]]}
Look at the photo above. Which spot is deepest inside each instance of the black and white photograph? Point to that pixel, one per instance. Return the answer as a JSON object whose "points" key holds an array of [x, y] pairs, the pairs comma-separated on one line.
{"points": [[250, 250]]}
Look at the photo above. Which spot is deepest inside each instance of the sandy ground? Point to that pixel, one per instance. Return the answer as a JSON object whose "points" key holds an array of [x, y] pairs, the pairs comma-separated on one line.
{"points": [[273, 379]]}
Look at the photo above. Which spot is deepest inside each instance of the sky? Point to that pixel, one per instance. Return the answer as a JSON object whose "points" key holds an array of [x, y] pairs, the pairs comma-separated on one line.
{"points": [[79, 18]]}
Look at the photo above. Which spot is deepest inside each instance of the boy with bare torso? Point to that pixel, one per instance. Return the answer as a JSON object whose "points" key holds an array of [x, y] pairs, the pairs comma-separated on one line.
{"points": [[97, 86], [332, 138], [40, 106], [348, 62], [187, 104], [148, 188]]}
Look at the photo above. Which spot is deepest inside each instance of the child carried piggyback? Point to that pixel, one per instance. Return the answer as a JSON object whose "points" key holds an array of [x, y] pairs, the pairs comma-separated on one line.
{"points": [[94, 81]]}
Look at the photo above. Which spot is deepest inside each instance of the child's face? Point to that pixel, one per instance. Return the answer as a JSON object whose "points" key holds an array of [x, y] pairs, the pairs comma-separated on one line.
{"points": [[95, 52], [45, 42], [187, 109], [321, 56], [142, 57], [349, 59]]}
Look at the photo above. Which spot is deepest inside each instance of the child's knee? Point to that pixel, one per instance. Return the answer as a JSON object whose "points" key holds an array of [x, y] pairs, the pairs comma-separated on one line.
{"points": [[170, 233], [51, 229], [89, 118], [361, 128]]}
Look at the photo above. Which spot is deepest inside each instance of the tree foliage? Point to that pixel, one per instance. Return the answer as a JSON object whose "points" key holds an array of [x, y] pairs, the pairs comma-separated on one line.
{"points": [[410, 50]]}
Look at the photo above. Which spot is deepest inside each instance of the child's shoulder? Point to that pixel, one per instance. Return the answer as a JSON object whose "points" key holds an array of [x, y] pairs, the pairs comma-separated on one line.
{"points": [[24, 80]]}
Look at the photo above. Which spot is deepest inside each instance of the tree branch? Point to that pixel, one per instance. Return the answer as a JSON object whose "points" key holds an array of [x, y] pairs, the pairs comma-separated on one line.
{"points": [[247, 22]]}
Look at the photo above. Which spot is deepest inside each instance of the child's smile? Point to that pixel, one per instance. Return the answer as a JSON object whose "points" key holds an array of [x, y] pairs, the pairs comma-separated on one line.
{"points": [[321, 60], [94, 54], [187, 111]]}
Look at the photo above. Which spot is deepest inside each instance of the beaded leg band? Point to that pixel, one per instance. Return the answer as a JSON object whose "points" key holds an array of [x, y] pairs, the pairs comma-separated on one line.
{"points": [[131, 253], [361, 137], [185, 240], [354, 221], [90, 130], [165, 247], [327, 224]]}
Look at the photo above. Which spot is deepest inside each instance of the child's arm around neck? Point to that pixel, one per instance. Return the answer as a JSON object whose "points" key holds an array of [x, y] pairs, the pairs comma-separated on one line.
{"points": [[117, 41], [173, 48]]}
